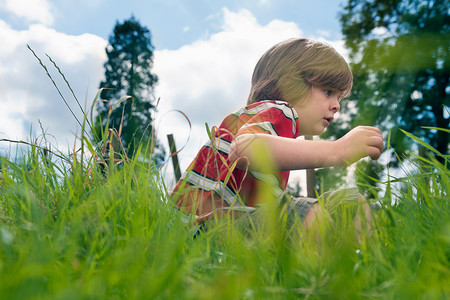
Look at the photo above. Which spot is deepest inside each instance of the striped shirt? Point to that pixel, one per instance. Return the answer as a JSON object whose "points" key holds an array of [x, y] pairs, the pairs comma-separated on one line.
{"points": [[212, 182]]}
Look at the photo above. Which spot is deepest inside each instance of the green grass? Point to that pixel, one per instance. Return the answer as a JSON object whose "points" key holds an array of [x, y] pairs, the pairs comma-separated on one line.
{"points": [[67, 232]]}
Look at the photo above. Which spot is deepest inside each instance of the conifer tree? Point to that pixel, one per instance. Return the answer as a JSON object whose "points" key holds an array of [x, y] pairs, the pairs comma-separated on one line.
{"points": [[128, 73]]}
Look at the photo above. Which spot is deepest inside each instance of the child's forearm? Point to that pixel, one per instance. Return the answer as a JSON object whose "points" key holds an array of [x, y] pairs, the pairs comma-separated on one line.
{"points": [[284, 153], [296, 154]]}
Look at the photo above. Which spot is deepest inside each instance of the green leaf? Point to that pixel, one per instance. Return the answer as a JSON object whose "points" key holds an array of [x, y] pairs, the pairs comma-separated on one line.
{"points": [[426, 145], [436, 128]]}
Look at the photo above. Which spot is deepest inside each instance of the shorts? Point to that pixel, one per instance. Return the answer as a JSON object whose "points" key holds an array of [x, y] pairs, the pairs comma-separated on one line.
{"points": [[299, 206], [292, 210]]}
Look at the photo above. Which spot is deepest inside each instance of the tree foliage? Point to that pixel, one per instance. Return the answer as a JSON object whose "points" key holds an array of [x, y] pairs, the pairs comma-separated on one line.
{"points": [[128, 85], [399, 57]]}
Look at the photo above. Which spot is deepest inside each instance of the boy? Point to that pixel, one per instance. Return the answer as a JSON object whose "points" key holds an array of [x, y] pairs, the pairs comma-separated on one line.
{"points": [[296, 89]]}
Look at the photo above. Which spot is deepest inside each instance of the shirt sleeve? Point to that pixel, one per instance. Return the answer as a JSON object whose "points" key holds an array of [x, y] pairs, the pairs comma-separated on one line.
{"points": [[270, 117]]}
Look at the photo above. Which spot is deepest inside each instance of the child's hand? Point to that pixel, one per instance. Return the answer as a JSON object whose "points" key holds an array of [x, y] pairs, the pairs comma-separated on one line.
{"points": [[360, 142]]}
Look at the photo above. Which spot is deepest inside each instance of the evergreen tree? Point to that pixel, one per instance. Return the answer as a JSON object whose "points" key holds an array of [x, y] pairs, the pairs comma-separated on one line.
{"points": [[128, 73], [399, 57]]}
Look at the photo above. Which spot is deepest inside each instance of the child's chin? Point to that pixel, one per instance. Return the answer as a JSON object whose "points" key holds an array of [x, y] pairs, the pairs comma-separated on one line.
{"points": [[320, 131], [314, 132]]}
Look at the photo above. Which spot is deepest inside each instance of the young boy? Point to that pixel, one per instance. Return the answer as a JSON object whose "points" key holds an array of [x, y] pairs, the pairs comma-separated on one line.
{"points": [[296, 89]]}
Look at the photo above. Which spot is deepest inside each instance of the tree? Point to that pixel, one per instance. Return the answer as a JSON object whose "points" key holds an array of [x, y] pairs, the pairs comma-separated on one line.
{"points": [[128, 73], [399, 57]]}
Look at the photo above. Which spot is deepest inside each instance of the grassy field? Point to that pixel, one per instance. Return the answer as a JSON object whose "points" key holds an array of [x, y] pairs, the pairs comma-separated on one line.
{"points": [[72, 230], [68, 232]]}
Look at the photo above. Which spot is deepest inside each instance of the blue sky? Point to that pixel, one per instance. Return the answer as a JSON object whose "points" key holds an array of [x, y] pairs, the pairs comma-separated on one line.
{"points": [[205, 52], [176, 23]]}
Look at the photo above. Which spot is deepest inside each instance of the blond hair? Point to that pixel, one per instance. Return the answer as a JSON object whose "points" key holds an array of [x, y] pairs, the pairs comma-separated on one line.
{"points": [[289, 69]]}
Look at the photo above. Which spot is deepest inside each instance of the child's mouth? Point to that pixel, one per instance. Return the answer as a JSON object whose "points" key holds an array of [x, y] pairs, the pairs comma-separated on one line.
{"points": [[328, 120]]}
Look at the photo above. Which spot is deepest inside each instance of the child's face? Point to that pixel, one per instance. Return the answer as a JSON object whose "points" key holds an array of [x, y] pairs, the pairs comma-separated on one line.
{"points": [[317, 114]]}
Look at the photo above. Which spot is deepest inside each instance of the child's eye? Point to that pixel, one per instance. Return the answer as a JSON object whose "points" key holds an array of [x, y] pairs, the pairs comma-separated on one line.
{"points": [[329, 92]]}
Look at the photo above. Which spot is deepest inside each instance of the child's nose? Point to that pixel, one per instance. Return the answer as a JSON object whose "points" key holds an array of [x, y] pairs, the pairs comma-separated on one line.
{"points": [[335, 106]]}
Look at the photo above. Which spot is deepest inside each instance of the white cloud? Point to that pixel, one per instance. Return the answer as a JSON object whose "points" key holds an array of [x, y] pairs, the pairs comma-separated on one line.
{"points": [[27, 94], [323, 33], [30, 10], [213, 75]]}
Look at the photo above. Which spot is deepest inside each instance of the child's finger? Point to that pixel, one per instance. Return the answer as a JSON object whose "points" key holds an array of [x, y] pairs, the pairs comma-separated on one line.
{"points": [[371, 128], [377, 141], [374, 153]]}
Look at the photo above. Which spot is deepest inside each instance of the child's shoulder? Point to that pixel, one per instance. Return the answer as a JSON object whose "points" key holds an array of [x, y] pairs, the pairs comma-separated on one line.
{"points": [[268, 104], [271, 105]]}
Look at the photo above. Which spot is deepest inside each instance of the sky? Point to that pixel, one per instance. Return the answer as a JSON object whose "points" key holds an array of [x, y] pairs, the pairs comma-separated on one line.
{"points": [[204, 56]]}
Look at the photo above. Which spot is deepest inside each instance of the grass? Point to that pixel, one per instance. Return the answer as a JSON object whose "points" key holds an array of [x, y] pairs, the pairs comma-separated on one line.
{"points": [[68, 232]]}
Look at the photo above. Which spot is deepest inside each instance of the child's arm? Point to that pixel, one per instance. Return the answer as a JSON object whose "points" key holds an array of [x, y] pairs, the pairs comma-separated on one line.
{"points": [[296, 154]]}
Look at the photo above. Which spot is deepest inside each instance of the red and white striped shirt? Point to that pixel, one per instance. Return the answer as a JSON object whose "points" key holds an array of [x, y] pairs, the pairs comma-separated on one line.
{"points": [[211, 182]]}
